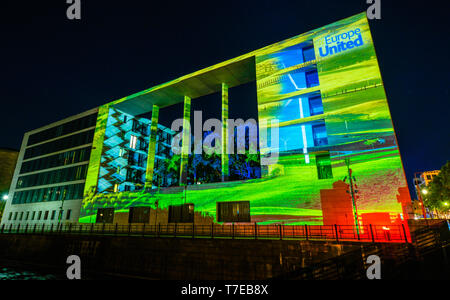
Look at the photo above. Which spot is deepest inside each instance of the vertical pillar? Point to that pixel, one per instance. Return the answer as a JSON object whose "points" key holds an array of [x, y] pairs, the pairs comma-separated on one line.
{"points": [[186, 143], [225, 164], [152, 149]]}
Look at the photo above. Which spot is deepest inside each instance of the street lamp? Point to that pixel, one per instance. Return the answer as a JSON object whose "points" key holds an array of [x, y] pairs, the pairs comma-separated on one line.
{"points": [[419, 196], [5, 197], [424, 191]]}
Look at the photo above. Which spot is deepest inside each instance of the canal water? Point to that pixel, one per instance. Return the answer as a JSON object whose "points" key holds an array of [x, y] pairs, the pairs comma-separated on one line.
{"points": [[14, 273]]}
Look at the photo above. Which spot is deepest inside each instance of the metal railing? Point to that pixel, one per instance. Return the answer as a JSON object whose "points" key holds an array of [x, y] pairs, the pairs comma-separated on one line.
{"points": [[364, 233]]}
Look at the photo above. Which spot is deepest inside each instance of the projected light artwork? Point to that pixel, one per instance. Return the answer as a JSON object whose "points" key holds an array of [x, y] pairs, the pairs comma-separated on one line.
{"points": [[324, 128]]}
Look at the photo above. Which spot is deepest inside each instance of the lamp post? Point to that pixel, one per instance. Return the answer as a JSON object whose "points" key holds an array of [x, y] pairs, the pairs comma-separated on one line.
{"points": [[352, 192], [419, 193]]}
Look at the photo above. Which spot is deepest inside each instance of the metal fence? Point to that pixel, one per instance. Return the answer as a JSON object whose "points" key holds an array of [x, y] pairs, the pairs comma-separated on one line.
{"points": [[364, 233]]}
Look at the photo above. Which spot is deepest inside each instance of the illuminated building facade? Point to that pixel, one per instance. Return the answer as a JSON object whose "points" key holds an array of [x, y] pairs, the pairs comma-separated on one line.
{"points": [[326, 144], [336, 158]]}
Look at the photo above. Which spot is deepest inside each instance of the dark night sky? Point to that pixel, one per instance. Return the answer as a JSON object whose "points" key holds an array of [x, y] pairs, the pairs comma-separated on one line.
{"points": [[52, 67]]}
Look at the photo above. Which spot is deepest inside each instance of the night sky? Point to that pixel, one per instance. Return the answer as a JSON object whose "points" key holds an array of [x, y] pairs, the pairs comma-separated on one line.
{"points": [[52, 67]]}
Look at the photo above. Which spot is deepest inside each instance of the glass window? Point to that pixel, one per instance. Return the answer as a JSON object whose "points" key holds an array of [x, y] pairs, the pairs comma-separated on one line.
{"points": [[308, 54], [46, 215], [69, 212], [323, 163], [315, 105], [320, 135], [105, 215], [312, 79], [140, 215], [133, 141], [233, 211]]}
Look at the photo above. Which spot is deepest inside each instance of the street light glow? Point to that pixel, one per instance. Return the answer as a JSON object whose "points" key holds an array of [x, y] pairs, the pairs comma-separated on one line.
{"points": [[5, 197], [425, 192], [445, 203]]}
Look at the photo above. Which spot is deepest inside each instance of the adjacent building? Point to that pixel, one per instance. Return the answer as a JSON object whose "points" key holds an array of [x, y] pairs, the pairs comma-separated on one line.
{"points": [[48, 182], [8, 159]]}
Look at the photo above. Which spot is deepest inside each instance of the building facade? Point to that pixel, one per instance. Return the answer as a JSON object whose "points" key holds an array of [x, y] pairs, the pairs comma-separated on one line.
{"points": [[327, 146], [48, 182]]}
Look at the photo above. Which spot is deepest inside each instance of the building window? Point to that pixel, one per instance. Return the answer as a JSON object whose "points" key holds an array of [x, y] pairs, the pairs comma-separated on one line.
{"points": [[308, 54], [323, 163], [69, 212], [27, 215], [105, 215], [320, 135], [315, 105], [312, 79], [39, 215], [10, 216], [133, 142], [116, 188], [181, 213], [21, 216], [33, 215], [15, 215], [233, 211], [46, 215], [139, 215]]}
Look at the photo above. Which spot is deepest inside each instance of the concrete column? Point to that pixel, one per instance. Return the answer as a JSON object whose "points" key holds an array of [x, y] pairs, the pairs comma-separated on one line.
{"points": [[186, 143], [152, 149], [225, 159]]}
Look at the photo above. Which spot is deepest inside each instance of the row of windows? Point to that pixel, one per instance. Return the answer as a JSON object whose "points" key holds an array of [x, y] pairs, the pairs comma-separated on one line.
{"points": [[59, 193], [58, 160], [72, 141], [238, 211], [53, 177], [38, 215], [63, 129]]}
